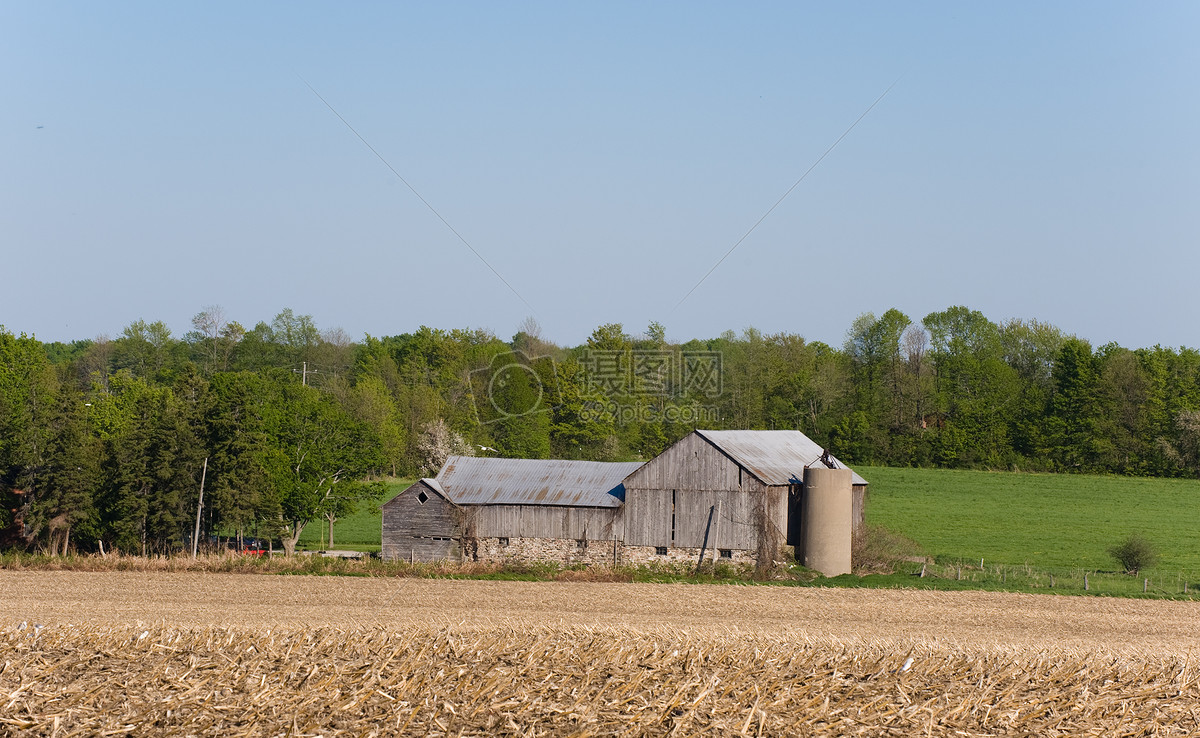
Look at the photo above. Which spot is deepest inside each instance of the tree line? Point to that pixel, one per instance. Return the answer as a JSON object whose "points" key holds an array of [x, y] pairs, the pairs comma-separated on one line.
{"points": [[106, 443]]}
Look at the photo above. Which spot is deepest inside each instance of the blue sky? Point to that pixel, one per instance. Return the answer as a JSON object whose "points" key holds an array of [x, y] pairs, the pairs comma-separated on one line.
{"points": [[1033, 161]]}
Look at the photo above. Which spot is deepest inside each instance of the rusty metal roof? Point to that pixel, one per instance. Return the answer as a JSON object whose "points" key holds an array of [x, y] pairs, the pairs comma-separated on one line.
{"points": [[775, 457], [470, 480], [434, 485]]}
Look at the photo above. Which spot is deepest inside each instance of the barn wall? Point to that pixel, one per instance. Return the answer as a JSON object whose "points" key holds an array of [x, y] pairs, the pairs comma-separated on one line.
{"points": [[648, 516], [534, 521], [570, 552], [643, 555], [669, 499], [680, 518], [691, 463], [732, 525], [859, 494], [565, 551], [419, 531]]}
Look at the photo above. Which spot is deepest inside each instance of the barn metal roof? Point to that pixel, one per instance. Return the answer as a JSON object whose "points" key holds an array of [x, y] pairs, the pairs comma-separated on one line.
{"points": [[470, 480], [434, 485], [775, 457]]}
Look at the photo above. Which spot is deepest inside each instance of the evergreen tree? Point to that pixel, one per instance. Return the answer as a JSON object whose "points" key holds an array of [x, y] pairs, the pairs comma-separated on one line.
{"points": [[64, 510], [1074, 412]]}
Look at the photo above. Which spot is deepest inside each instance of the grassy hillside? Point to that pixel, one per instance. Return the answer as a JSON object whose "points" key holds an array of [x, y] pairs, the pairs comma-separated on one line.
{"points": [[359, 532], [1046, 520]]}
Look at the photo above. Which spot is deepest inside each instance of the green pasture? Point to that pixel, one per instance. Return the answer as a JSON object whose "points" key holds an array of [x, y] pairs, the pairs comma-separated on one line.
{"points": [[1048, 521], [358, 532]]}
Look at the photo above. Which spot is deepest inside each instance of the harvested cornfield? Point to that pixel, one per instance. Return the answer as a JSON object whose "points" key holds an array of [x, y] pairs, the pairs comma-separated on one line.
{"points": [[229, 655], [567, 681]]}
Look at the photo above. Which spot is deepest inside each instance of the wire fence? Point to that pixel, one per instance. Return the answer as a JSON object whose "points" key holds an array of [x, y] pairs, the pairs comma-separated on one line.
{"points": [[1157, 582]]}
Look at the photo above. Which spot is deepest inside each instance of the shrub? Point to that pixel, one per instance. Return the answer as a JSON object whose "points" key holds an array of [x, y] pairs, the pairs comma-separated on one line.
{"points": [[1134, 554], [877, 550]]}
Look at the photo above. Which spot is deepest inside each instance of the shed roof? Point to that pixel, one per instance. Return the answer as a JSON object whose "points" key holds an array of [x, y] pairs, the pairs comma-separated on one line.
{"points": [[470, 480], [774, 456]]}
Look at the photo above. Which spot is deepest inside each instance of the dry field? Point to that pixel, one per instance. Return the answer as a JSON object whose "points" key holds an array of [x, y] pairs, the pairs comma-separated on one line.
{"points": [[210, 654]]}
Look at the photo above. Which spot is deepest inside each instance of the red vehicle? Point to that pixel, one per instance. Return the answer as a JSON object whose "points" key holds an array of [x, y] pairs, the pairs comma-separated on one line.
{"points": [[253, 547]]}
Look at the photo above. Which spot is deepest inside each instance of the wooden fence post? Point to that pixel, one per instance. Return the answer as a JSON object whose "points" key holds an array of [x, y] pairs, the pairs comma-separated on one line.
{"points": [[716, 552], [712, 511]]}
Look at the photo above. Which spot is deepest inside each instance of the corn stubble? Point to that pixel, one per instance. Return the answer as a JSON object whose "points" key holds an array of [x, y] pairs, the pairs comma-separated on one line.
{"points": [[569, 680]]}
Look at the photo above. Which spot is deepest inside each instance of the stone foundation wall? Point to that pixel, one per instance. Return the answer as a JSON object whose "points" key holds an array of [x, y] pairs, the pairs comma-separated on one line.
{"points": [[639, 555], [568, 551], [565, 551]]}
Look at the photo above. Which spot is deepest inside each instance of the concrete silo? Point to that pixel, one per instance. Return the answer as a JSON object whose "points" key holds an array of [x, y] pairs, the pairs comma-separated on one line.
{"points": [[827, 520]]}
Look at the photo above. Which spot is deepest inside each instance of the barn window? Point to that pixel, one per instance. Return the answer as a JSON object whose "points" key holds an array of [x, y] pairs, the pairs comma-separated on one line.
{"points": [[422, 497], [726, 553], [502, 541], [660, 550]]}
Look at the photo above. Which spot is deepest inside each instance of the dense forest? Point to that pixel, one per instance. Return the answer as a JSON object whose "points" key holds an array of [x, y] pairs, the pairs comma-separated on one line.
{"points": [[106, 444]]}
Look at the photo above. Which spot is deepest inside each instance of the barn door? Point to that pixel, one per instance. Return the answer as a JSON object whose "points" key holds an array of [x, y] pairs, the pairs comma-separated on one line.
{"points": [[794, 517]]}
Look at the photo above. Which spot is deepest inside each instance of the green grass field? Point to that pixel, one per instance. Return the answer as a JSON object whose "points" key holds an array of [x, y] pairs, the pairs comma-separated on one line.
{"points": [[1046, 520], [359, 532]]}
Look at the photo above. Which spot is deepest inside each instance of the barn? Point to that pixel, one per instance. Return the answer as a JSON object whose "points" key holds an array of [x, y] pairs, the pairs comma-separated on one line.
{"points": [[736, 495], [738, 492], [487, 509]]}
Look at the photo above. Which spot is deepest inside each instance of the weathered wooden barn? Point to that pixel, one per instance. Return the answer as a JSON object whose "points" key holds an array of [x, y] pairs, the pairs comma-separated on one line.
{"points": [[497, 509], [735, 494]]}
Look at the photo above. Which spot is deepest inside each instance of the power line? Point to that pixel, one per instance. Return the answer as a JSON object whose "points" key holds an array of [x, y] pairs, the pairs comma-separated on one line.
{"points": [[418, 194], [784, 196]]}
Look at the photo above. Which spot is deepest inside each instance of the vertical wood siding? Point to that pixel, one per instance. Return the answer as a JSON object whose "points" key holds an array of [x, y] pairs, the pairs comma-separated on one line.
{"points": [[859, 491], [683, 480], [532, 521], [647, 517], [692, 463], [697, 476], [426, 531]]}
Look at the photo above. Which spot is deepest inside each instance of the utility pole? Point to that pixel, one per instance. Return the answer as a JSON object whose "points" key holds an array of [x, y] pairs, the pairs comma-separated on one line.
{"points": [[199, 507], [304, 372]]}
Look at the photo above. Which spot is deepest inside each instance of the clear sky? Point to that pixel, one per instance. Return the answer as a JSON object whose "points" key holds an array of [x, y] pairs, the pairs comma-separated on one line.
{"points": [[1034, 160]]}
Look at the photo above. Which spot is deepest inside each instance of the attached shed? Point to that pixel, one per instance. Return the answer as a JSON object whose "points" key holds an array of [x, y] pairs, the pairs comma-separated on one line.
{"points": [[735, 492], [422, 524], [499, 509]]}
